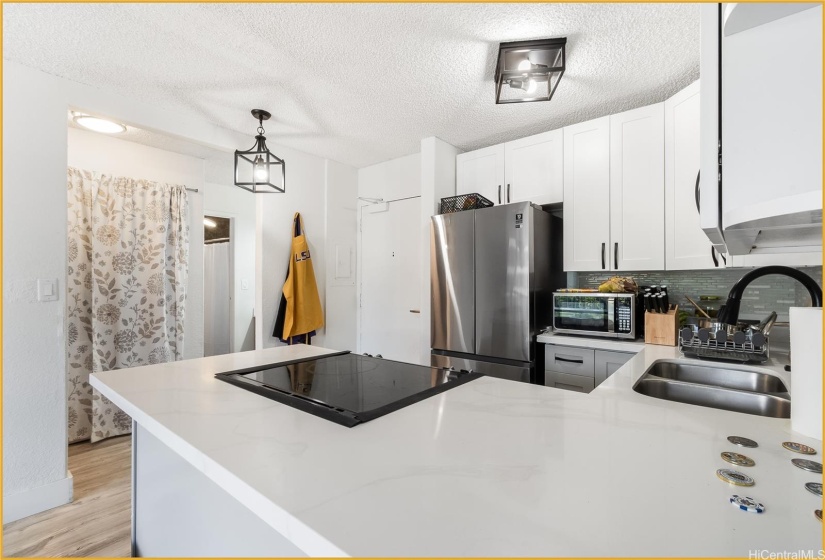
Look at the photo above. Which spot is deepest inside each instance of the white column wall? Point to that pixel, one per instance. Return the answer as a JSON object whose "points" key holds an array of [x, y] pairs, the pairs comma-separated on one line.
{"points": [[437, 182]]}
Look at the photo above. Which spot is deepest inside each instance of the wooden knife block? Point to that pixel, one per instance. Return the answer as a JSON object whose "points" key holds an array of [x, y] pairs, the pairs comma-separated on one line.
{"points": [[662, 328]]}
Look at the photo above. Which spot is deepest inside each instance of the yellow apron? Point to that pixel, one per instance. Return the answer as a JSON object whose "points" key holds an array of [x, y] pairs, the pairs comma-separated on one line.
{"points": [[303, 305]]}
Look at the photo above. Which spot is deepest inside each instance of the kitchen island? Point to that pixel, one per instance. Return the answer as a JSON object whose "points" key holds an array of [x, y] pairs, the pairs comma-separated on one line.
{"points": [[489, 468]]}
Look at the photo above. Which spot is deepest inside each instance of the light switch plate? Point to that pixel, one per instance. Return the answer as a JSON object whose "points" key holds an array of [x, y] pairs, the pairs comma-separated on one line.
{"points": [[46, 289], [244, 284], [343, 261]]}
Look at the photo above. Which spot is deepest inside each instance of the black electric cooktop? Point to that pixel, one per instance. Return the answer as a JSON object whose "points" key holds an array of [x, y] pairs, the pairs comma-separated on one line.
{"points": [[347, 388]]}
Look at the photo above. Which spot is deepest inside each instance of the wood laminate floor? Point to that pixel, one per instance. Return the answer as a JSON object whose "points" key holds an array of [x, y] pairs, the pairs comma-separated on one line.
{"points": [[98, 521]]}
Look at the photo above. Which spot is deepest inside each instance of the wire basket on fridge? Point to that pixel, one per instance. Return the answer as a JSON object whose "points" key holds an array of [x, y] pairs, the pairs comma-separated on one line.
{"points": [[472, 201]]}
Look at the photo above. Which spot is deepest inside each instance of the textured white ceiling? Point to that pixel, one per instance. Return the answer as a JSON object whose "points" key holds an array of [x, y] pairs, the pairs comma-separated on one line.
{"points": [[360, 83]]}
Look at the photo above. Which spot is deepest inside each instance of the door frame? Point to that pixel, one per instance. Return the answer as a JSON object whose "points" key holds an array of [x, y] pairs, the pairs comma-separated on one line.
{"points": [[233, 238]]}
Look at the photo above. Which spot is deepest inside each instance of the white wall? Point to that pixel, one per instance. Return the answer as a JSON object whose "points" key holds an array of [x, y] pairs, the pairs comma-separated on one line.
{"points": [[437, 181], [324, 193], [228, 201], [108, 154], [35, 108], [341, 224], [391, 180]]}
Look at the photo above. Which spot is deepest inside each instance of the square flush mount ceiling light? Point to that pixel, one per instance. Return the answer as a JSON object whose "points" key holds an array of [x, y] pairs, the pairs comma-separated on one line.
{"points": [[529, 70]]}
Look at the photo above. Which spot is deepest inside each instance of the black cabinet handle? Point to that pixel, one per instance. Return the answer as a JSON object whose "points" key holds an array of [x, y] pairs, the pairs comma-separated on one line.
{"points": [[568, 360], [603, 248], [696, 193], [713, 256], [508, 192], [616, 256], [499, 194]]}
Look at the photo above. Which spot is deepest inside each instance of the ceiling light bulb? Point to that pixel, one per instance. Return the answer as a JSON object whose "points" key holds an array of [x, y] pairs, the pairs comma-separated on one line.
{"points": [[210, 223], [261, 172], [525, 65], [531, 86], [99, 125]]}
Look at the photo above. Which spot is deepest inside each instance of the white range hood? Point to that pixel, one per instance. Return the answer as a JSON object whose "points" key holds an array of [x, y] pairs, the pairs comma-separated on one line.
{"points": [[767, 61]]}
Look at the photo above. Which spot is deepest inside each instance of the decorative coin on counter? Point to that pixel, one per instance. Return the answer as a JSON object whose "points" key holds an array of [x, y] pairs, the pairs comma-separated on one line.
{"points": [[746, 504], [818, 513], [798, 448], [742, 441], [808, 465], [734, 477], [737, 459], [814, 488]]}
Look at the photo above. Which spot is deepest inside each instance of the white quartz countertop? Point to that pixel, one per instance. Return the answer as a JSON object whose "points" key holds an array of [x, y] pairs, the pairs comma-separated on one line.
{"points": [[490, 468], [614, 344]]}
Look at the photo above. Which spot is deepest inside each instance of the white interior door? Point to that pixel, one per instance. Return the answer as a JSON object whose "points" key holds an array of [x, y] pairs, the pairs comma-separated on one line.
{"points": [[391, 279]]}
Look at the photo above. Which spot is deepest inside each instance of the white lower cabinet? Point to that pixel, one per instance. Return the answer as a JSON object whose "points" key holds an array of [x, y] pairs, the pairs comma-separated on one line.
{"points": [[580, 369], [607, 362]]}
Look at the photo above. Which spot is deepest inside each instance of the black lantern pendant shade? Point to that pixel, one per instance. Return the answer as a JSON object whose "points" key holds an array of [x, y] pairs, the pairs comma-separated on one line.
{"points": [[529, 70], [258, 170]]}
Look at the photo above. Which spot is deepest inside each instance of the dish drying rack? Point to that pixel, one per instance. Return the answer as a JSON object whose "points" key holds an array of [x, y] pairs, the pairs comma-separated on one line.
{"points": [[719, 345]]}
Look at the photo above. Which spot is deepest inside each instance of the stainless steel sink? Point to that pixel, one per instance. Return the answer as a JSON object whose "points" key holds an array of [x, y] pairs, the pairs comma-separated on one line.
{"points": [[738, 390]]}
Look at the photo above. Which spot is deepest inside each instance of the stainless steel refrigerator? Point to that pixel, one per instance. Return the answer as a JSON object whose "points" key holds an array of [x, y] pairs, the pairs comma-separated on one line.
{"points": [[492, 274]]}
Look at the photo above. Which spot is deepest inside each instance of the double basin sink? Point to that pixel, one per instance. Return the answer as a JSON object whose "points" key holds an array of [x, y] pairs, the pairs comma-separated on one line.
{"points": [[738, 390]]}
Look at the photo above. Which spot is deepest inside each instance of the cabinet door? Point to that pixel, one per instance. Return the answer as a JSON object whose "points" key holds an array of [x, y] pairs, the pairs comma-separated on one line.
{"points": [[607, 362], [482, 172], [533, 168], [587, 195], [637, 189], [686, 245]]}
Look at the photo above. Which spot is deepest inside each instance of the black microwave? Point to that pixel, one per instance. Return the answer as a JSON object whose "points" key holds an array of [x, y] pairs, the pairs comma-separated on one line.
{"points": [[595, 314]]}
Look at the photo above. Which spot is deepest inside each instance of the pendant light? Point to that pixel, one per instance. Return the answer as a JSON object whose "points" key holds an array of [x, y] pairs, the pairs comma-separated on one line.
{"points": [[258, 170], [529, 70]]}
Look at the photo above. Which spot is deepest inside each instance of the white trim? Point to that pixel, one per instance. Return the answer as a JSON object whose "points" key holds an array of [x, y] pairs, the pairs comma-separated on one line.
{"points": [[26, 503]]}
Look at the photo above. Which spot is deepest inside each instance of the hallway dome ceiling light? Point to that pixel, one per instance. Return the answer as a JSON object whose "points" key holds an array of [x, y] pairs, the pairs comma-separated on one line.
{"points": [[258, 170], [98, 124], [529, 70]]}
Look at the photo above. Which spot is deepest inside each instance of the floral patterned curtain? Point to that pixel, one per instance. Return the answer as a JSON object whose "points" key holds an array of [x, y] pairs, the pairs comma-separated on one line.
{"points": [[128, 247]]}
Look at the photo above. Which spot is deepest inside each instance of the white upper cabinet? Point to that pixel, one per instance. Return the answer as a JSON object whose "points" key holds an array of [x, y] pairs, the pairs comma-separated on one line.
{"points": [[482, 171], [686, 245], [528, 169], [587, 195], [534, 168], [637, 194]]}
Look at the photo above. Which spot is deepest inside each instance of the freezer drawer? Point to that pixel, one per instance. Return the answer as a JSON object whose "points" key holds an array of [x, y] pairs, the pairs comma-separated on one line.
{"points": [[569, 359], [501, 371], [570, 382]]}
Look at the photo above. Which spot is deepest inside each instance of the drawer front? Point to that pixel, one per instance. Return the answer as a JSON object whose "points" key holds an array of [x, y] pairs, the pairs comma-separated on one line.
{"points": [[567, 359], [570, 382]]}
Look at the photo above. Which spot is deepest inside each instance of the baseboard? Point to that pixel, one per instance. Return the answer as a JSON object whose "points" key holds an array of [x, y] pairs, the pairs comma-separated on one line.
{"points": [[26, 503]]}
